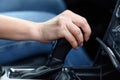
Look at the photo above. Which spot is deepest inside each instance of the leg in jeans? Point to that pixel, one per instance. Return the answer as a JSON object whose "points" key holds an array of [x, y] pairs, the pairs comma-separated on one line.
{"points": [[78, 58], [12, 51]]}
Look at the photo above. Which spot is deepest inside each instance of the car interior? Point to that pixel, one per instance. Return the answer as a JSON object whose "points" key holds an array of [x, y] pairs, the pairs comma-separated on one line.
{"points": [[102, 48]]}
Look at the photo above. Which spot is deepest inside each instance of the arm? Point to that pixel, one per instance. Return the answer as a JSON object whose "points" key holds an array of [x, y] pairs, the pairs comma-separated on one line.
{"points": [[66, 25], [16, 29]]}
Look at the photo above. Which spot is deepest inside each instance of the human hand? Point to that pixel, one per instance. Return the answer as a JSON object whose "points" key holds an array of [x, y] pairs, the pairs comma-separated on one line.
{"points": [[74, 28]]}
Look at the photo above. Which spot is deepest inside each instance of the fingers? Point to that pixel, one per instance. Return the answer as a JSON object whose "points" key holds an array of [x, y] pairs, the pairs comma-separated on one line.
{"points": [[80, 22], [76, 32], [72, 33], [70, 38], [83, 24], [73, 27]]}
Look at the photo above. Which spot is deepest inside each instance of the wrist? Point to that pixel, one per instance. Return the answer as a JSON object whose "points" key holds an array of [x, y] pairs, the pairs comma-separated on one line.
{"points": [[36, 31]]}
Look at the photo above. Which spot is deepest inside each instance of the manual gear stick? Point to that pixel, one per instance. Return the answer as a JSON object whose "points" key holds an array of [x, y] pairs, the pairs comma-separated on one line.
{"points": [[60, 51], [55, 62]]}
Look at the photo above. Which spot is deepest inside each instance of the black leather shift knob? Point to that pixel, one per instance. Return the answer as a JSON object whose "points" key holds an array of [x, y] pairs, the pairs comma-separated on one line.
{"points": [[62, 49]]}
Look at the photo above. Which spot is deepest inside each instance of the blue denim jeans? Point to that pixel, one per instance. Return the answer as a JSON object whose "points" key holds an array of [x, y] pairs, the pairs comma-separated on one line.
{"points": [[52, 6], [15, 50]]}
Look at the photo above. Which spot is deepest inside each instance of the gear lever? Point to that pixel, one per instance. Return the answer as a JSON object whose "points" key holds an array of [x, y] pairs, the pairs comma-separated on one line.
{"points": [[61, 50], [55, 62]]}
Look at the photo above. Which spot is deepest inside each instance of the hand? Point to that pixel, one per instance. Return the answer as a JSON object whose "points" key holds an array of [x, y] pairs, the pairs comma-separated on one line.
{"points": [[68, 25]]}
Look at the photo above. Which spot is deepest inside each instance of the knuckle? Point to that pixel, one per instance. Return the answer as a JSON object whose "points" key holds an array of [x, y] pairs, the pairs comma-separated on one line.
{"points": [[72, 41], [67, 11], [61, 21], [88, 32], [61, 18], [77, 32], [84, 21]]}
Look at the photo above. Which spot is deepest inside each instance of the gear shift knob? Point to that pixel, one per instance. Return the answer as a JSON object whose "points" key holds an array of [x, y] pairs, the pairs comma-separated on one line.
{"points": [[61, 50]]}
